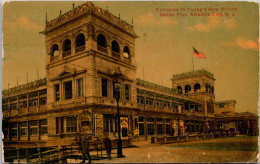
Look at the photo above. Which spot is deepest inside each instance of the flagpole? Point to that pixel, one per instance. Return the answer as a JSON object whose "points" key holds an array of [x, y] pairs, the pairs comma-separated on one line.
{"points": [[192, 62]]}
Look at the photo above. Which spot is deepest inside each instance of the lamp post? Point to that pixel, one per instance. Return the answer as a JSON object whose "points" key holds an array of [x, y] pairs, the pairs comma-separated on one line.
{"points": [[119, 142]]}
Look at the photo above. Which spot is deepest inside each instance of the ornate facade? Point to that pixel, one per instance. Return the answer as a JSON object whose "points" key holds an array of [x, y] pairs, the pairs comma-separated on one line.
{"points": [[86, 48]]}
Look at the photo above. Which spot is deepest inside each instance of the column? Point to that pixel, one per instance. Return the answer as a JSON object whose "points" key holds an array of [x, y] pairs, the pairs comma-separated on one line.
{"points": [[17, 105], [145, 128], [28, 131], [38, 101], [39, 130], [8, 108], [164, 127], [155, 126], [27, 102], [178, 121]]}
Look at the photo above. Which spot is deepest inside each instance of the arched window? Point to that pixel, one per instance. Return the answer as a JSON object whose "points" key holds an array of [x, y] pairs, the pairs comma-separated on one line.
{"points": [[115, 47], [80, 43], [209, 89], [101, 41], [187, 88], [126, 52], [66, 47], [212, 90], [179, 89], [206, 87], [196, 87], [54, 50]]}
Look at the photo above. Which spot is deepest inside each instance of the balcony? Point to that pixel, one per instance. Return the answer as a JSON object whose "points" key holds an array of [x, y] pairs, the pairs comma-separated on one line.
{"points": [[54, 58], [80, 48], [116, 55], [66, 53], [103, 49]]}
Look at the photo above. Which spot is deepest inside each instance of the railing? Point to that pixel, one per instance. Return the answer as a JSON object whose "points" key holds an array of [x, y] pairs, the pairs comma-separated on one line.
{"points": [[103, 49], [186, 138], [66, 53], [116, 55], [80, 48], [54, 58]]}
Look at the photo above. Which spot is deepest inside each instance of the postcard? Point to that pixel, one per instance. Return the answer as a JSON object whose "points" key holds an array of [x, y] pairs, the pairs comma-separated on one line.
{"points": [[130, 81]]}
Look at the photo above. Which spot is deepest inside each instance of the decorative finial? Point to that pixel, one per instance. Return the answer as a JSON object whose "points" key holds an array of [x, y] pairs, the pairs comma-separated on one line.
{"points": [[73, 5], [60, 12], [46, 19], [107, 8]]}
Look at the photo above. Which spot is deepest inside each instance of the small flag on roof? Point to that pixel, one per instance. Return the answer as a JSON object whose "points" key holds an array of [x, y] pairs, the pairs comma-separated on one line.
{"points": [[198, 54]]}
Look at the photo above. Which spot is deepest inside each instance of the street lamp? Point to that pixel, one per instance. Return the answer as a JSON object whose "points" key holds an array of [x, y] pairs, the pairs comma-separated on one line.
{"points": [[119, 142]]}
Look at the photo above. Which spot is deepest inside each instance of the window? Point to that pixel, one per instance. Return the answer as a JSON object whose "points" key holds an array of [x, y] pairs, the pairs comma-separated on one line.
{"points": [[109, 123], [179, 89], [80, 43], [222, 105], [43, 101], [159, 126], [68, 89], [5, 129], [149, 101], [115, 47], [196, 87], [71, 124], [101, 41], [150, 122], [126, 52], [140, 100], [34, 127], [80, 87], [187, 89], [127, 91], [14, 129], [44, 126], [104, 87], [168, 126], [23, 128], [66, 47], [141, 125], [54, 50], [57, 92]]}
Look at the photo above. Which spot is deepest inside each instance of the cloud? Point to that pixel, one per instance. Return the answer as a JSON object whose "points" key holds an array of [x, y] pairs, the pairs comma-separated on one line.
{"points": [[242, 43], [212, 23], [150, 20], [21, 23]]}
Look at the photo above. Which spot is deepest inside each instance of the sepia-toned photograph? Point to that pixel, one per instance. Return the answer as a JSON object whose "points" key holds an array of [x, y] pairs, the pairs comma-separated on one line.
{"points": [[130, 81]]}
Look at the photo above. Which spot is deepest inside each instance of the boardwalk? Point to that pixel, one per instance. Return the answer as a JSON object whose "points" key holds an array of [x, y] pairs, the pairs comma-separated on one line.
{"points": [[235, 149]]}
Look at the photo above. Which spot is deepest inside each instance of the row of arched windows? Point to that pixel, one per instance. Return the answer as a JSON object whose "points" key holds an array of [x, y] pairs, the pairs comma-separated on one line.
{"points": [[80, 46], [197, 87], [102, 46], [66, 46]]}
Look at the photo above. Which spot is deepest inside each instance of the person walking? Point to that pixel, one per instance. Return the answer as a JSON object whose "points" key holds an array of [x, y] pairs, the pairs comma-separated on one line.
{"points": [[85, 150], [108, 147]]}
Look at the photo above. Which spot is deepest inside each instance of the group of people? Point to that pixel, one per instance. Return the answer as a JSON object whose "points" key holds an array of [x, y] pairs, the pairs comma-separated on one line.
{"points": [[84, 144]]}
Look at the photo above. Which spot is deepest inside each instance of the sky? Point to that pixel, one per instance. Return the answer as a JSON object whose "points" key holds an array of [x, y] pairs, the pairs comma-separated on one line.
{"points": [[228, 39]]}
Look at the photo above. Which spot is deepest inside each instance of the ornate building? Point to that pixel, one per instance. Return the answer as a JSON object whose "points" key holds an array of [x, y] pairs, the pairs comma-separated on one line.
{"points": [[87, 48]]}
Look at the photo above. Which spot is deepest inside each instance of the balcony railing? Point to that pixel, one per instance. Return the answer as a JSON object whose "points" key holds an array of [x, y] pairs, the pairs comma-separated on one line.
{"points": [[66, 53], [80, 48], [116, 55], [103, 49], [54, 58]]}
